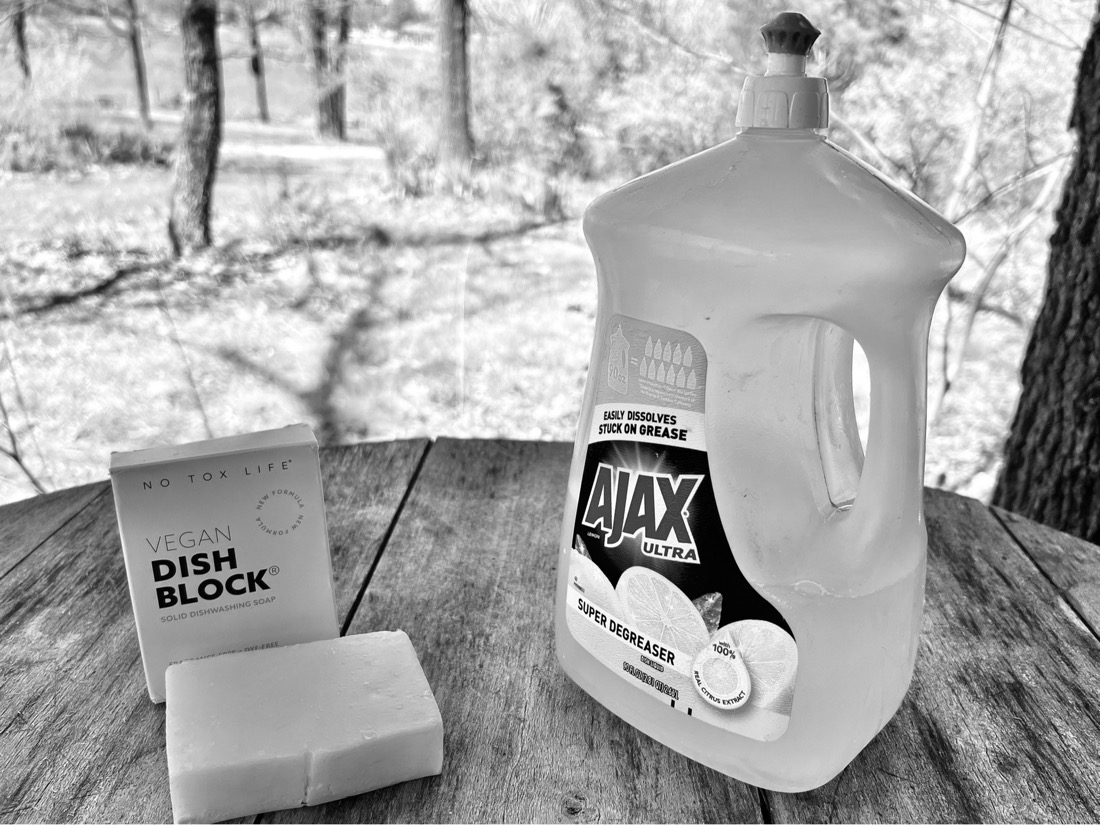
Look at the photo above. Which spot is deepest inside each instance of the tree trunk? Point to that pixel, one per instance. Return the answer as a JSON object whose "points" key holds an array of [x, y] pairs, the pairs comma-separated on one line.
{"points": [[455, 142], [259, 75], [137, 52], [1051, 467], [328, 68], [19, 34], [201, 131], [340, 63]]}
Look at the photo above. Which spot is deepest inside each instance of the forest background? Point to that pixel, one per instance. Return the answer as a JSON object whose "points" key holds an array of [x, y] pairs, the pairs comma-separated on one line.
{"points": [[354, 285]]}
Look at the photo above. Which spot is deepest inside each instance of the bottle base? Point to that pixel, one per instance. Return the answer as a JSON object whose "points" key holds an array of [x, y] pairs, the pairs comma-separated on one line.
{"points": [[805, 757]]}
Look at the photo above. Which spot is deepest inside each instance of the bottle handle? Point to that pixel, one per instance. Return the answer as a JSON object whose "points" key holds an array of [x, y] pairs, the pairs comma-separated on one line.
{"points": [[837, 431], [888, 493]]}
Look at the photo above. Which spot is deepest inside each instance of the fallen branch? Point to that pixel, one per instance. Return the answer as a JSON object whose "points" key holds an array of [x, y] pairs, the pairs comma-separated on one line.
{"points": [[60, 299]]}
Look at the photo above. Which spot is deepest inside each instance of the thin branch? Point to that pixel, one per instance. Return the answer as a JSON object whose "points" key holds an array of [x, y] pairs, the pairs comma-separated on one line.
{"points": [[666, 39], [13, 452], [1010, 241], [864, 142], [935, 403], [21, 400], [961, 296], [1047, 21], [108, 15], [952, 366], [1019, 179], [970, 155], [969, 161], [1069, 47]]}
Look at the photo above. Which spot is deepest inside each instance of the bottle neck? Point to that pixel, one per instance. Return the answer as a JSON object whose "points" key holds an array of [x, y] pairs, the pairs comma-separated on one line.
{"points": [[784, 101], [787, 65]]}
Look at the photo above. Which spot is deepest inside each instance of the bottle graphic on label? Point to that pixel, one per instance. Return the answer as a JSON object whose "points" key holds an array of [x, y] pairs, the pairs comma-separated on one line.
{"points": [[618, 361], [736, 578]]}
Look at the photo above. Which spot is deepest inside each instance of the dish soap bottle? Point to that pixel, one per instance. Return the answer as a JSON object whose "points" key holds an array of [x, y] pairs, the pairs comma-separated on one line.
{"points": [[737, 579]]}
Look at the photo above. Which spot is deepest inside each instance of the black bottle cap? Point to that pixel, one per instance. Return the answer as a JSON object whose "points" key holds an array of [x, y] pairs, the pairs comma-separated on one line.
{"points": [[789, 33]]}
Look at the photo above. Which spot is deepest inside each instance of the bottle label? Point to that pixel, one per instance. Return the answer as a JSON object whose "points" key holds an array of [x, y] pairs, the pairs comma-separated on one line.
{"points": [[654, 590]]}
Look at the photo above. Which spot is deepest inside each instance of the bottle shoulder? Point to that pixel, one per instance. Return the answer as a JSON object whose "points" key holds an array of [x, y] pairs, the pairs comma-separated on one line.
{"points": [[804, 191]]}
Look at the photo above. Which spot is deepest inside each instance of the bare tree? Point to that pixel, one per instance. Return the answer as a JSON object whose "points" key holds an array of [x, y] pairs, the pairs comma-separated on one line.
{"points": [[256, 63], [124, 22], [456, 145], [952, 363], [961, 184], [1052, 457], [200, 134], [329, 66], [339, 70], [137, 54], [19, 35]]}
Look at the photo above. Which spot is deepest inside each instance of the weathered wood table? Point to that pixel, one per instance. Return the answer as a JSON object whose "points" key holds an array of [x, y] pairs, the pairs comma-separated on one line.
{"points": [[455, 542]]}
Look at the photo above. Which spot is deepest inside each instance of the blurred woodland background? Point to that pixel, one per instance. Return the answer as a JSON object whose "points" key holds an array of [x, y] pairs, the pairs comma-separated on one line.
{"points": [[394, 243]]}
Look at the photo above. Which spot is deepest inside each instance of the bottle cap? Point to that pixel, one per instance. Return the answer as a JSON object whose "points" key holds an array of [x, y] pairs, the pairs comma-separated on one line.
{"points": [[784, 97], [789, 33]]}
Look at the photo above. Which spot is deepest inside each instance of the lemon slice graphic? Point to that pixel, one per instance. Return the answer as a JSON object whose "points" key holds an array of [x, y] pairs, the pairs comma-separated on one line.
{"points": [[720, 676], [771, 657], [661, 611], [590, 580]]}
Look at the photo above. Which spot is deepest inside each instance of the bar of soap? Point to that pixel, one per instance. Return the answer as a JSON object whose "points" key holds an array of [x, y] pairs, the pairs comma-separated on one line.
{"points": [[304, 724]]}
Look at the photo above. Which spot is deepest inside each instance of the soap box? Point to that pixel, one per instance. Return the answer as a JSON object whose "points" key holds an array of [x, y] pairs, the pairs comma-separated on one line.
{"points": [[226, 546]]}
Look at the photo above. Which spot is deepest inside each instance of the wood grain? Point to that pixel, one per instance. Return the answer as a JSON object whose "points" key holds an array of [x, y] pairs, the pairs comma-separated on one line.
{"points": [[25, 524], [470, 574], [79, 738], [1071, 563], [364, 488], [1002, 722]]}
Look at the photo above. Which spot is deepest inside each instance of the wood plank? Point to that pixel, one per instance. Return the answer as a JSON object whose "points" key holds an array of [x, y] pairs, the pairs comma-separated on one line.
{"points": [[25, 524], [1002, 722], [1073, 564], [79, 738], [364, 487], [470, 574]]}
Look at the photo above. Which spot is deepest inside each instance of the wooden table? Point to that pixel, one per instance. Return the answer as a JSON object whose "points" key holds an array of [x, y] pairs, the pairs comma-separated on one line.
{"points": [[455, 542]]}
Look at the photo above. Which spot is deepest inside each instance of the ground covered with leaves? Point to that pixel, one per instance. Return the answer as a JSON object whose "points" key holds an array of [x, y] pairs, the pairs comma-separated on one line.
{"points": [[331, 305]]}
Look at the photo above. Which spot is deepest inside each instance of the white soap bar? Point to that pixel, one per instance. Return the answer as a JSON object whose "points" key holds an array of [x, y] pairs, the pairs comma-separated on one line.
{"points": [[266, 730]]}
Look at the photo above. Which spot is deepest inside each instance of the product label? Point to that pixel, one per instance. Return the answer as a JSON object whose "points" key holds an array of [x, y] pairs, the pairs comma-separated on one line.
{"points": [[654, 590]]}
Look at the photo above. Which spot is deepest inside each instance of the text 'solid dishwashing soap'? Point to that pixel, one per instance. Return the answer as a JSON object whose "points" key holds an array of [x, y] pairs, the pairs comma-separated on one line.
{"points": [[736, 579]]}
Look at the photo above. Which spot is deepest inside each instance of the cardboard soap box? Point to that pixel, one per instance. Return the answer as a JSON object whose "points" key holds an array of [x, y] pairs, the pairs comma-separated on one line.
{"points": [[226, 546]]}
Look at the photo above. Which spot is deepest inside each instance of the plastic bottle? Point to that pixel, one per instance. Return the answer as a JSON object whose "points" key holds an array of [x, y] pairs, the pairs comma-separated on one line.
{"points": [[736, 579]]}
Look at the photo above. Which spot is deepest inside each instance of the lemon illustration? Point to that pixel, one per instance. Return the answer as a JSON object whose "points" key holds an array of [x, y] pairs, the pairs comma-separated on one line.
{"points": [[771, 656], [591, 582], [661, 611]]}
